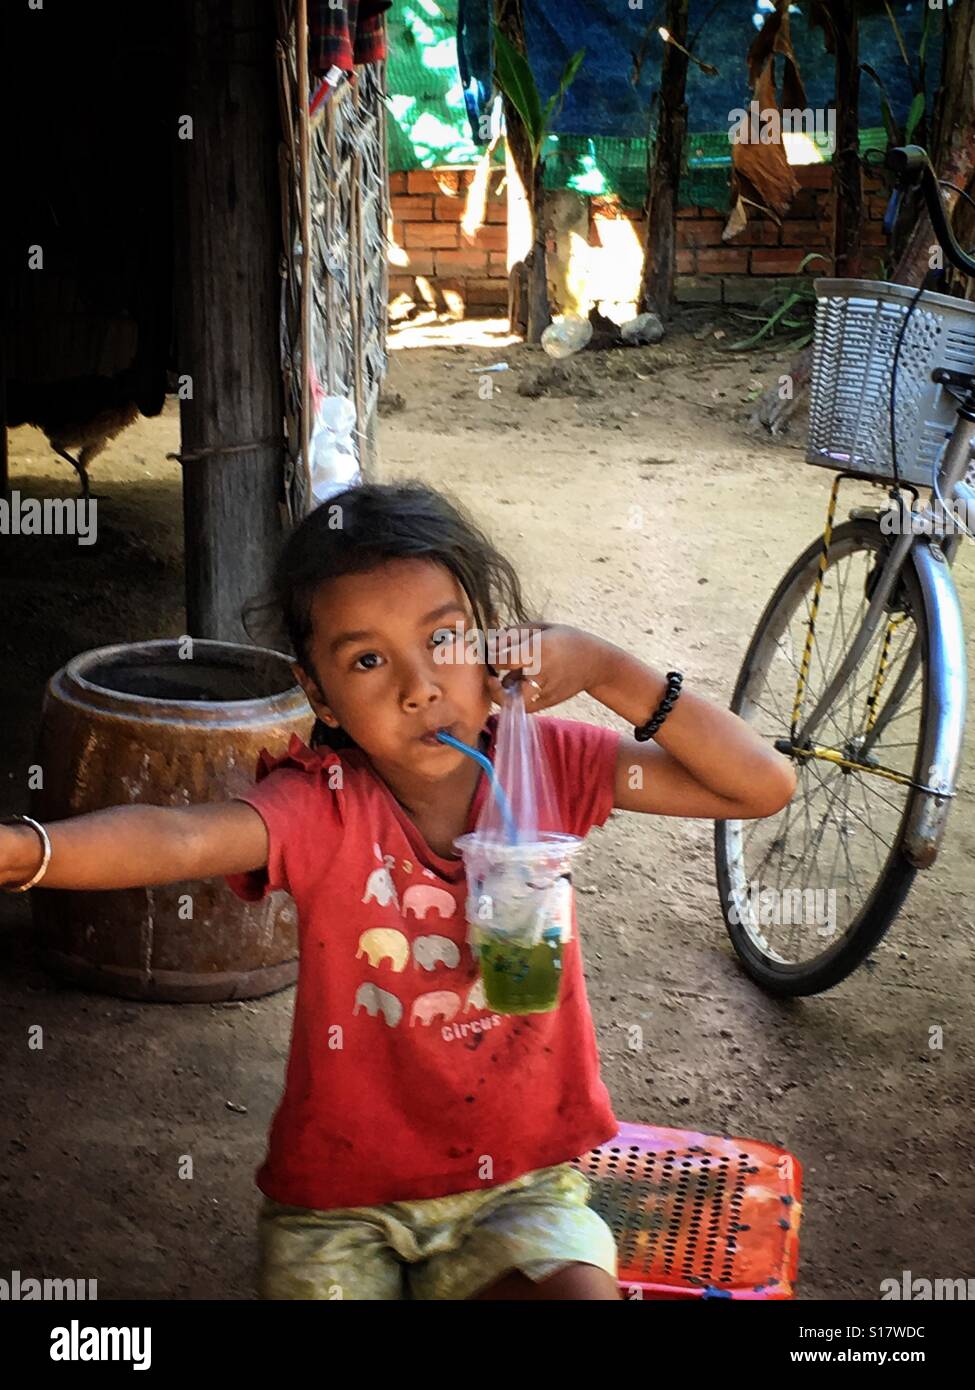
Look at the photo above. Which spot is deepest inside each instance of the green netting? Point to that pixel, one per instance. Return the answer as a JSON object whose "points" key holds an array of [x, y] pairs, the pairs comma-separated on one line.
{"points": [[428, 127], [604, 166], [427, 122]]}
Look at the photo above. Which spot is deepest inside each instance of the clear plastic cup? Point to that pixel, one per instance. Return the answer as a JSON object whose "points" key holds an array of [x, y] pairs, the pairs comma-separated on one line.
{"points": [[519, 910]]}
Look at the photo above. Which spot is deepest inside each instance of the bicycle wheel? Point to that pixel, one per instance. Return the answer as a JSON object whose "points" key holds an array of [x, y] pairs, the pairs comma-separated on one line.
{"points": [[832, 858]]}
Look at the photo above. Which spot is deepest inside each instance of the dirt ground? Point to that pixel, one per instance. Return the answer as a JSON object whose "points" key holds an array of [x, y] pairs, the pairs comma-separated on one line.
{"points": [[94, 1124]]}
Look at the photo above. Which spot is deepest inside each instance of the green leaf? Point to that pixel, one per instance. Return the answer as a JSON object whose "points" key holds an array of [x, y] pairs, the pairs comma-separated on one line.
{"points": [[554, 103], [890, 125], [516, 80], [769, 323], [570, 70], [925, 31], [899, 37], [914, 117]]}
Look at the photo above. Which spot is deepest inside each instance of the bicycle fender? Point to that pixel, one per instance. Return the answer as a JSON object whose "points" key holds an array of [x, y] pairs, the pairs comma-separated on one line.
{"points": [[947, 668]]}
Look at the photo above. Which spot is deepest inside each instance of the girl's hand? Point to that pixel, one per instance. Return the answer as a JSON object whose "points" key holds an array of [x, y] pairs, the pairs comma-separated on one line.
{"points": [[555, 662]]}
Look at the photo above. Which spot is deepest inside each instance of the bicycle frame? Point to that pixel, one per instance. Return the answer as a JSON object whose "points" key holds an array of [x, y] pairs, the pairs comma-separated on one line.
{"points": [[941, 754]]}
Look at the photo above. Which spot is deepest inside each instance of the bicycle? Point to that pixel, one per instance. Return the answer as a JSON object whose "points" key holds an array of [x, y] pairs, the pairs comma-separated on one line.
{"points": [[869, 703]]}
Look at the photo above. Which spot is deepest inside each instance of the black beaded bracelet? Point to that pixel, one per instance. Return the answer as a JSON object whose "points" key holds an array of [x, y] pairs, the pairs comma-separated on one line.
{"points": [[674, 680]]}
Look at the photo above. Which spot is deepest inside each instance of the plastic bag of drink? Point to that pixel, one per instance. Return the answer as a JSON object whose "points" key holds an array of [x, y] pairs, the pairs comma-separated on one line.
{"points": [[518, 866], [527, 802]]}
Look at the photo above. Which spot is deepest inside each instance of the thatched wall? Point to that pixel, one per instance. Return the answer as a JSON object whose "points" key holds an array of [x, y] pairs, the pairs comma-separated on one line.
{"points": [[347, 192]]}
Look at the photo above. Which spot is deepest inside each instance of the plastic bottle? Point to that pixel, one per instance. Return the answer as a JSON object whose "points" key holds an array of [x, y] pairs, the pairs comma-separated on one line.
{"points": [[566, 336]]}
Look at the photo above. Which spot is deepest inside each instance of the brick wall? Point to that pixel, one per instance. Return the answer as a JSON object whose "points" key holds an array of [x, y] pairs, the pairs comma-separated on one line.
{"points": [[432, 258], [434, 261]]}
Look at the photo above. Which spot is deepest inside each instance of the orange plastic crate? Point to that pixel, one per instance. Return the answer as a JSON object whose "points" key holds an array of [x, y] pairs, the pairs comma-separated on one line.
{"points": [[698, 1215]]}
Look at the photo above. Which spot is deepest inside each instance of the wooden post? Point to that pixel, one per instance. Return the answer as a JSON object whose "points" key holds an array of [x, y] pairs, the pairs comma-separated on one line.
{"points": [[510, 18], [847, 180], [660, 255], [228, 230]]}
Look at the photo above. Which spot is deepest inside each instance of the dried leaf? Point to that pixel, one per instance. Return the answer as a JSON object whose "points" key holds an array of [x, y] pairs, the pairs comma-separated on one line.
{"points": [[761, 173], [765, 168], [763, 46], [775, 36], [737, 220], [793, 92]]}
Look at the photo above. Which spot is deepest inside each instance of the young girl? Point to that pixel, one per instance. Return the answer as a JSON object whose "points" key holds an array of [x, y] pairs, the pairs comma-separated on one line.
{"points": [[422, 1146]]}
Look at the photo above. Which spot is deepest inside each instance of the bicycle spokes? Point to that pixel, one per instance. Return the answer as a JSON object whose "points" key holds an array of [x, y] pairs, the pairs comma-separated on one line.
{"points": [[856, 777]]}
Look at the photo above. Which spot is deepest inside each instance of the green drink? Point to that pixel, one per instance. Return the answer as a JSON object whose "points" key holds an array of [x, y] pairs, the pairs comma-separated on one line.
{"points": [[520, 979], [519, 913]]}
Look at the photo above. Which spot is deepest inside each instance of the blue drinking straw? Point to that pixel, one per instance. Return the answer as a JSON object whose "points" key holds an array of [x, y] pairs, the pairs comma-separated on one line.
{"points": [[479, 757]]}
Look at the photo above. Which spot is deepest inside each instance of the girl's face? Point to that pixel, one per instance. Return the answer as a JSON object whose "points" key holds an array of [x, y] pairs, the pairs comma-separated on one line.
{"points": [[388, 677]]}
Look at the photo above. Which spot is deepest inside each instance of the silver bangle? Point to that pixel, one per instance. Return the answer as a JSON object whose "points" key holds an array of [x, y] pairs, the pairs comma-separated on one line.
{"points": [[46, 844]]}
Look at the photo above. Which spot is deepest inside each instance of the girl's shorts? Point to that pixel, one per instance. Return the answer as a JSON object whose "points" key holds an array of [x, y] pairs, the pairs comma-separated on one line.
{"points": [[444, 1247]]}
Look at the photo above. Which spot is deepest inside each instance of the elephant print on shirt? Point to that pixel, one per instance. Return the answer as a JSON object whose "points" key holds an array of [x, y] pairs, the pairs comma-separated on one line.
{"points": [[475, 996], [428, 950], [375, 1000], [384, 943], [420, 897], [379, 884], [438, 1003]]}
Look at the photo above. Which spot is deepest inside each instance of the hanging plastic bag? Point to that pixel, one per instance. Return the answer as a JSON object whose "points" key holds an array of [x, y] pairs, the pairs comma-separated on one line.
{"points": [[518, 865], [332, 452], [334, 466]]}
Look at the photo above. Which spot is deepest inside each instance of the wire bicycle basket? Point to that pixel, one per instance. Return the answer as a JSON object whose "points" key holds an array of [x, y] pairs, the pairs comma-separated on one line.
{"points": [[855, 339]]}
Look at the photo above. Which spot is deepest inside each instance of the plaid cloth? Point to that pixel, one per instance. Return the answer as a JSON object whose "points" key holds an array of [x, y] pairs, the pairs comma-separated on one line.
{"points": [[343, 35]]}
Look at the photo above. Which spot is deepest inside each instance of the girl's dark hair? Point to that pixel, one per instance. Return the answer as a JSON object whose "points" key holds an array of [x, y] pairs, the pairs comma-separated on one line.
{"points": [[374, 522]]}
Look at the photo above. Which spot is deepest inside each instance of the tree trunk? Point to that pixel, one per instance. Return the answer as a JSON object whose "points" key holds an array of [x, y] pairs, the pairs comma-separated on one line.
{"points": [[953, 153], [660, 251], [531, 279], [228, 305], [847, 177], [539, 314]]}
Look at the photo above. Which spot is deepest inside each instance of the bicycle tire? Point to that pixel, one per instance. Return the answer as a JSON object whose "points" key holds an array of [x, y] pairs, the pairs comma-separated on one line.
{"points": [[887, 897]]}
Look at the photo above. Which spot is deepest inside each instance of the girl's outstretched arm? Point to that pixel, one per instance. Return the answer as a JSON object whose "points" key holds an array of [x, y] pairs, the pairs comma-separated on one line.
{"points": [[136, 846]]}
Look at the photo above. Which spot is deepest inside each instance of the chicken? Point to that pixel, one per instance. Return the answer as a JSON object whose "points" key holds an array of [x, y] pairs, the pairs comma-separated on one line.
{"points": [[83, 414]]}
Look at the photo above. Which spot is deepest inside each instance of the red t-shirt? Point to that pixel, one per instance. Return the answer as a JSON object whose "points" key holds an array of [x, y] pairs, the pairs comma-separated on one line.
{"points": [[401, 1084]]}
